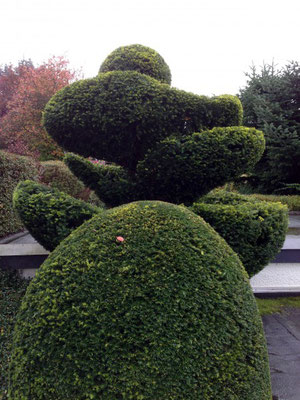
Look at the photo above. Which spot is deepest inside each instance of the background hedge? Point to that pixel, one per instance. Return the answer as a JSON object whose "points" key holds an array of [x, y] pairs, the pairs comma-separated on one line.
{"points": [[50, 215], [13, 169], [138, 58], [57, 175], [166, 314], [254, 229]]}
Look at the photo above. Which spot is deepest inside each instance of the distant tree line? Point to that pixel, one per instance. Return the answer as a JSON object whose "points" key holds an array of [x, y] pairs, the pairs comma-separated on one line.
{"points": [[24, 92], [271, 102]]}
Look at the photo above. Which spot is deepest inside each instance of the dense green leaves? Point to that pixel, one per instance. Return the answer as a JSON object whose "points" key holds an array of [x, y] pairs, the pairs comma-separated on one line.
{"points": [[13, 169], [138, 58], [179, 170], [111, 183], [254, 229], [50, 215], [271, 102], [119, 116], [167, 313]]}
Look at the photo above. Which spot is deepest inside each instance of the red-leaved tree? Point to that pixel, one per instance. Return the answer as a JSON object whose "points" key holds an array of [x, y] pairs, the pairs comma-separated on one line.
{"points": [[21, 129]]}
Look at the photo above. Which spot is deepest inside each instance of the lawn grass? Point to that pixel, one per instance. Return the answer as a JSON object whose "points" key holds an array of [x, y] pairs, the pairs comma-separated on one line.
{"points": [[276, 305]]}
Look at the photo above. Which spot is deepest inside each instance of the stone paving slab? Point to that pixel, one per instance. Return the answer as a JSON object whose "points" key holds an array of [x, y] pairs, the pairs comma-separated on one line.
{"points": [[282, 333]]}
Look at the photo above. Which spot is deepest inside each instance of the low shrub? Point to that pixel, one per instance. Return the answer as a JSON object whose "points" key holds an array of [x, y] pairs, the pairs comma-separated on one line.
{"points": [[254, 229], [57, 175], [12, 290], [50, 215], [13, 169], [145, 301], [138, 58]]}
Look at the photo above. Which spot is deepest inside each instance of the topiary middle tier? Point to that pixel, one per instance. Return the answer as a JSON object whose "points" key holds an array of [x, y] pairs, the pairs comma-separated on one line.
{"points": [[145, 301]]}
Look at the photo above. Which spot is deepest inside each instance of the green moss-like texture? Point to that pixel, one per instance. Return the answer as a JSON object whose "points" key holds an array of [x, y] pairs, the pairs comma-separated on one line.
{"points": [[167, 313], [13, 169], [48, 214], [138, 58], [254, 229]]}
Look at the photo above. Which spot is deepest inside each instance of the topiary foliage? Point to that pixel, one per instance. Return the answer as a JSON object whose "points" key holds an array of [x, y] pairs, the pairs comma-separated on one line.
{"points": [[193, 165], [189, 167], [111, 183], [144, 301], [138, 58], [50, 215], [119, 116], [254, 229]]}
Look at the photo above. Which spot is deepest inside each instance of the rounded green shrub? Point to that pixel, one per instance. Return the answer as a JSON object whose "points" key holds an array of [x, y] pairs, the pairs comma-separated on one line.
{"points": [[254, 229], [138, 58], [50, 215], [13, 168], [120, 115], [145, 301]]}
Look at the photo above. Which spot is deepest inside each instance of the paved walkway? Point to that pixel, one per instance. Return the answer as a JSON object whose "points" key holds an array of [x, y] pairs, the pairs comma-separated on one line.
{"points": [[282, 333]]}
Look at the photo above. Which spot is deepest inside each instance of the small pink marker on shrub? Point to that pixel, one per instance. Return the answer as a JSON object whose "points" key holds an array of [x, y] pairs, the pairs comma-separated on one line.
{"points": [[120, 239]]}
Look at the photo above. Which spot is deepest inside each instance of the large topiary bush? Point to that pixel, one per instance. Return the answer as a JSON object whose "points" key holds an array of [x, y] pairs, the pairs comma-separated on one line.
{"points": [[13, 169], [254, 229], [144, 301]]}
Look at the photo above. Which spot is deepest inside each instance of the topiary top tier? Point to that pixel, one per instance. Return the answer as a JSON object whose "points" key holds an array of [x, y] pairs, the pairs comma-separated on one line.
{"points": [[138, 58], [144, 301]]}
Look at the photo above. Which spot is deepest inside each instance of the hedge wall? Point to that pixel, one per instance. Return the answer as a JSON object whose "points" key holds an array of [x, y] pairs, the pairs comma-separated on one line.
{"points": [[13, 169], [144, 301]]}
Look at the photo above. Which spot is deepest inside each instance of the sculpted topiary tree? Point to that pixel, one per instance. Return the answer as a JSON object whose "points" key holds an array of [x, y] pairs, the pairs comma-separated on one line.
{"points": [[162, 144], [145, 300]]}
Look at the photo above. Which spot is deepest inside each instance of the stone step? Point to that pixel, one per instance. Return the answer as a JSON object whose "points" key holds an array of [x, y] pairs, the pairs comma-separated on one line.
{"points": [[277, 278]]}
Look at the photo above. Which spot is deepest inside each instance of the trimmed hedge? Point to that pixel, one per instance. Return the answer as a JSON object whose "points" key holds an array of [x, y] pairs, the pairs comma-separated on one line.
{"points": [[50, 215], [292, 201], [178, 170], [255, 230], [138, 58], [111, 183], [57, 175], [145, 301], [120, 115], [181, 170], [13, 168]]}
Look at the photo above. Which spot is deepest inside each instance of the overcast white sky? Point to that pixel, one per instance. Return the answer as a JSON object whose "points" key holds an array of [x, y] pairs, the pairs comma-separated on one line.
{"points": [[208, 44]]}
